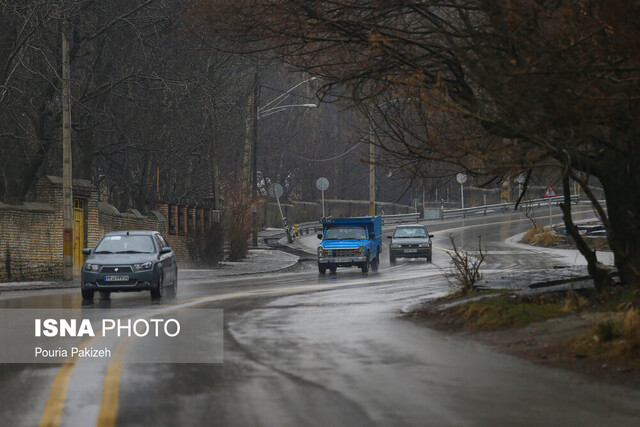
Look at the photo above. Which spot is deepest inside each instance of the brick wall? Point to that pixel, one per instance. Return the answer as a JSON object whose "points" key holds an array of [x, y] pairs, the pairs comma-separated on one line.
{"points": [[31, 234], [29, 246]]}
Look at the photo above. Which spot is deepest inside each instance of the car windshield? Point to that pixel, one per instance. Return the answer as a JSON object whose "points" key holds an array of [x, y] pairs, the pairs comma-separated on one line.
{"points": [[125, 245], [345, 233], [411, 232]]}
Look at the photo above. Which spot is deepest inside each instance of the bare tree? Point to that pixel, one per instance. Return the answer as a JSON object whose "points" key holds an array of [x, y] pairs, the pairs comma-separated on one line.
{"points": [[490, 88]]}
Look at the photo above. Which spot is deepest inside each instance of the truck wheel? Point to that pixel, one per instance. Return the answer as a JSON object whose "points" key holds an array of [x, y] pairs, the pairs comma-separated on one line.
{"points": [[392, 259], [365, 265], [375, 263], [333, 270], [322, 269]]}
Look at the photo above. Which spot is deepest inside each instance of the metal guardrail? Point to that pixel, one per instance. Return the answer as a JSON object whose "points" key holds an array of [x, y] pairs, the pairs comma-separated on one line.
{"points": [[503, 207], [395, 219], [315, 226], [306, 227]]}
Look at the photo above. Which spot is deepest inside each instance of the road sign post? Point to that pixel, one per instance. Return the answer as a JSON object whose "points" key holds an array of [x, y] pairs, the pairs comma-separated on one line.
{"points": [[276, 191], [461, 178], [322, 184], [550, 193]]}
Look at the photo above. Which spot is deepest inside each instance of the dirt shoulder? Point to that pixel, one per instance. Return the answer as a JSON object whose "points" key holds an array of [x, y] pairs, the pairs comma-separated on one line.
{"points": [[560, 339]]}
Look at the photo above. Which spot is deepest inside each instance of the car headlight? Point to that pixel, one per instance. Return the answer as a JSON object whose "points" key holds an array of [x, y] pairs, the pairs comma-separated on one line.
{"points": [[91, 267], [395, 245], [361, 250], [143, 266], [425, 245]]}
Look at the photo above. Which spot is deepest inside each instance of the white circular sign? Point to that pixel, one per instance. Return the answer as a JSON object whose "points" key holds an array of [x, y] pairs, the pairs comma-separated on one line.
{"points": [[322, 184], [276, 191], [461, 178], [520, 179]]}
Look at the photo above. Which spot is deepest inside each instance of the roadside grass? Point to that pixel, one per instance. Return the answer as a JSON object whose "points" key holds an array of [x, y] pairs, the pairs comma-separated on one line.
{"points": [[508, 311], [613, 338], [574, 302]]}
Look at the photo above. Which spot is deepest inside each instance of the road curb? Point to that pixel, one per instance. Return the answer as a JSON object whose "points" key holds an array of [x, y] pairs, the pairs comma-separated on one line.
{"points": [[50, 285], [34, 286]]}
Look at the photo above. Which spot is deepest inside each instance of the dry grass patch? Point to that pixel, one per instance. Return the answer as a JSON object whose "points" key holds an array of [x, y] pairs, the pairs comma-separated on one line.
{"points": [[541, 236], [574, 302], [599, 244]]}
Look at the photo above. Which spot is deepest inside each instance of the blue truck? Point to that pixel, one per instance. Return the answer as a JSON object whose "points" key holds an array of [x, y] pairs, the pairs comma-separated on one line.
{"points": [[350, 242]]}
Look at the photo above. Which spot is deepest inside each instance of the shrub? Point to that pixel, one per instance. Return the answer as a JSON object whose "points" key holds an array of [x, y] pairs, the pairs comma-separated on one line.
{"points": [[465, 269], [239, 205]]}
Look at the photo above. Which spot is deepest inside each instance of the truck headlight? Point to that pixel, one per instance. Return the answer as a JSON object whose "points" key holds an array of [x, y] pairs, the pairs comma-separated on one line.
{"points": [[425, 245], [91, 267], [143, 266], [320, 251], [361, 250], [395, 246]]}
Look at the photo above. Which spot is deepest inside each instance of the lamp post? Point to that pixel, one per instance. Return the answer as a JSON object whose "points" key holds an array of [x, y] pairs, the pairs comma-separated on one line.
{"points": [[272, 107]]}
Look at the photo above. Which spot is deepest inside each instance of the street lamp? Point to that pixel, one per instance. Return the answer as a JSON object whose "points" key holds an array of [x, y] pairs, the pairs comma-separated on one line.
{"points": [[280, 98], [269, 111], [272, 107]]}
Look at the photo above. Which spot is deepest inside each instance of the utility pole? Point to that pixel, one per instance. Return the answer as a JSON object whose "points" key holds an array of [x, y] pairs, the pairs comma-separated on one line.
{"points": [[372, 174], [67, 186], [254, 158], [216, 227]]}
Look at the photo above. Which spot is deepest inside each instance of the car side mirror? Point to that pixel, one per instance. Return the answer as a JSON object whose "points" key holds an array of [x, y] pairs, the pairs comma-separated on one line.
{"points": [[165, 250], [431, 236], [86, 251], [320, 236], [372, 235]]}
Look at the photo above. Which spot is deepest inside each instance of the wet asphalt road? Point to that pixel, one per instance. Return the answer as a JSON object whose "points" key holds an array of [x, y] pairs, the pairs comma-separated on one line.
{"points": [[304, 349]]}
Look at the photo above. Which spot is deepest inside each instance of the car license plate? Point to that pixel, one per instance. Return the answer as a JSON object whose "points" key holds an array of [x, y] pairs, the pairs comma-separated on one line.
{"points": [[116, 278], [410, 251]]}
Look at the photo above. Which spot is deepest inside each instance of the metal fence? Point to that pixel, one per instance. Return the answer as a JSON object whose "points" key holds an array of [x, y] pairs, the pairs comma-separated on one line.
{"points": [[504, 207]]}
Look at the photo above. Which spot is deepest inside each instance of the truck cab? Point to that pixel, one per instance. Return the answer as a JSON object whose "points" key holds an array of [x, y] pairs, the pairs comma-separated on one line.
{"points": [[350, 242]]}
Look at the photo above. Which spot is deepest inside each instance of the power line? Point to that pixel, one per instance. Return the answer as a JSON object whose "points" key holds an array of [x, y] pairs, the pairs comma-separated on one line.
{"points": [[326, 160]]}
